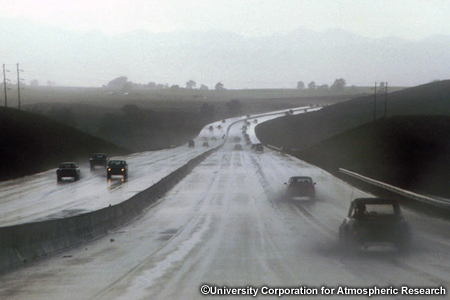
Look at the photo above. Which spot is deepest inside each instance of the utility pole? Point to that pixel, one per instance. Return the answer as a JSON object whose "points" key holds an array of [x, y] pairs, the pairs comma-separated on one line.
{"points": [[4, 84], [385, 101], [375, 103], [18, 85]]}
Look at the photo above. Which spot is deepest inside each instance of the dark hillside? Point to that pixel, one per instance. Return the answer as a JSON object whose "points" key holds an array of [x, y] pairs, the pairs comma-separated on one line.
{"points": [[411, 152], [302, 131], [31, 143]]}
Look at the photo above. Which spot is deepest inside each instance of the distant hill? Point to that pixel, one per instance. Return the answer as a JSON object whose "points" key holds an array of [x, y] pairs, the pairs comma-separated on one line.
{"points": [[31, 143], [305, 130], [409, 149], [411, 152]]}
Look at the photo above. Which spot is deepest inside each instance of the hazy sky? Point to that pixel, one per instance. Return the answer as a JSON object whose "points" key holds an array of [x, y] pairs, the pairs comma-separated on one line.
{"points": [[411, 19], [31, 37]]}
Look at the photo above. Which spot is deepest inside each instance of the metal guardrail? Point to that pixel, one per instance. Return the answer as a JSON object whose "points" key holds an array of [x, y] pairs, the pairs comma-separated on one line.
{"points": [[439, 202]]}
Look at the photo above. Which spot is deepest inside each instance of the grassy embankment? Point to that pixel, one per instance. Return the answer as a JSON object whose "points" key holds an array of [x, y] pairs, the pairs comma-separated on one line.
{"points": [[409, 149]]}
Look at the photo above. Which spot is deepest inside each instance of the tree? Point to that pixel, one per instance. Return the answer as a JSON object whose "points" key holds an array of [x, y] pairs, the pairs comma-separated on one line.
{"points": [[339, 84], [204, 87], [191, 84], [151, 85], [219, 86], [312, 85], [119, 83], [300, 85], [323, 87], [34, 82]]}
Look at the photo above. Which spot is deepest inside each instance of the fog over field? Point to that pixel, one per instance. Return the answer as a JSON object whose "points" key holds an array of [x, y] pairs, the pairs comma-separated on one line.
{"points": [[263, 44]]}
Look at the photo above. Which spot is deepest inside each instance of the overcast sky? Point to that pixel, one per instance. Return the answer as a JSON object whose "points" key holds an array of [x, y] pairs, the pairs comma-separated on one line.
{"points": [[411, 19]]}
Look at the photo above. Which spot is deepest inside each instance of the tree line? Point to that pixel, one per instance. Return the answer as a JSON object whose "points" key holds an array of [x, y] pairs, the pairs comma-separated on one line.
{"points": [[122, 83]]}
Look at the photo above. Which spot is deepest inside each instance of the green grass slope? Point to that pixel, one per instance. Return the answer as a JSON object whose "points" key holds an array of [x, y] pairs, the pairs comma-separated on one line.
{"points": [[30, 143]]}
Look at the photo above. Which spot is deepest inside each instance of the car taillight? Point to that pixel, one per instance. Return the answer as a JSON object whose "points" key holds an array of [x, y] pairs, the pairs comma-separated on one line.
{"points": [[109, 169]]}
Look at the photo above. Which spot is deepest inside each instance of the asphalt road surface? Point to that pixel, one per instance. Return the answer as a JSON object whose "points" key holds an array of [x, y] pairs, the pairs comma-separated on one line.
{"points": [[229, 224]]}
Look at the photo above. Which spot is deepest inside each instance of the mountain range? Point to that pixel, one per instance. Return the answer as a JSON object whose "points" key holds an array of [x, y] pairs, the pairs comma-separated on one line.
{"points": [[92, 59]]}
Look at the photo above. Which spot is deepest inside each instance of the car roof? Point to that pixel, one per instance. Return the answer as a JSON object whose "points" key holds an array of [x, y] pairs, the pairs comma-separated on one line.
{"points": [[301, 177], [374, 201]]}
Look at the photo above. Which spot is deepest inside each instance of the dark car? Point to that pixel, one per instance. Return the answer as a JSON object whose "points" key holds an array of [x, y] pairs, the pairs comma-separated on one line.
{"points": [[301, 186], [205, 144], [98, 159], [259, 148], [191, 144], [374, 221], [117, 167], [238, 147], [68, 169]]}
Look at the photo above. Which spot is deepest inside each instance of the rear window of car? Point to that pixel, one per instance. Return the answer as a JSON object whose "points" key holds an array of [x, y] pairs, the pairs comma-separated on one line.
{"points": [[301, 180], [66, 166]]}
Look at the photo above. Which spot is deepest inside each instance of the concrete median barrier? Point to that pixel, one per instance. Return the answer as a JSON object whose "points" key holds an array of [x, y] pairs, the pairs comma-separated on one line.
{"points": [[24, 243]]}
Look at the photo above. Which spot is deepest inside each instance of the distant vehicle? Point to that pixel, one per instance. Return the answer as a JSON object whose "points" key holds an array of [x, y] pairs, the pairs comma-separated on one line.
{"points": [[213, 138], [117, 167], [191, 144], [259, 148], [224, 121], [238, 147], [372, 221], [301, 186], [211, 128], [68, 169], [98, 159], [255, 121], [237, 139], [205, 144], [253, 147]]}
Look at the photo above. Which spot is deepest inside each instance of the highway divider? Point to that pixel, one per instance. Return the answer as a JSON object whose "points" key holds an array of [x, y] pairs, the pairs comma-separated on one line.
{"points": [[438, 202], [20, 244]]}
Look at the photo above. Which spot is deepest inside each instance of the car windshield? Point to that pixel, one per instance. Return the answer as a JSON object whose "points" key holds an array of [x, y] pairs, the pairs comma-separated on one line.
{"points": [[116, 163]]}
